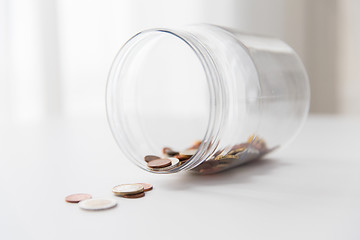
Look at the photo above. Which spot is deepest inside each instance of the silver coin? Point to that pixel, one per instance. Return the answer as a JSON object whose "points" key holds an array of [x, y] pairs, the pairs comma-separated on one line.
{"points": [[189, 152], [97, 204], [127, 189]]}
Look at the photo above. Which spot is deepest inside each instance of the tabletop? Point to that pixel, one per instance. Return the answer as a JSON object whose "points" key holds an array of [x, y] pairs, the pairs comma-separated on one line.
{"points": [[309, 190]]}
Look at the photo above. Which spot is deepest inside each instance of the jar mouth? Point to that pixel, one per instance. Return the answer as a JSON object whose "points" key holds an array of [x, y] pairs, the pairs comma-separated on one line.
{"points": [[120, 122]]}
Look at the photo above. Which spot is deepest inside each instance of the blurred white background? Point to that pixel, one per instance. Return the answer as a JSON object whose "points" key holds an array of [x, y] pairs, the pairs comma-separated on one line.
{"points": [[55, 55], [54, 60]]}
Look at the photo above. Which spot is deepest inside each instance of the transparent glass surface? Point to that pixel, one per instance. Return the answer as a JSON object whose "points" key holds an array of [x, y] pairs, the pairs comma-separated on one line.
{"points": [[215, 97]]}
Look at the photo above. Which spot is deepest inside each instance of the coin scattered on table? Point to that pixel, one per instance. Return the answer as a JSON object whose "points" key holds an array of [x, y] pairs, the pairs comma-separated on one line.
{"points": [[147, 186], [75, 198], [128, 189], [159, 163], [149, 158], [138, 195], [97, 204], [86, 202]]}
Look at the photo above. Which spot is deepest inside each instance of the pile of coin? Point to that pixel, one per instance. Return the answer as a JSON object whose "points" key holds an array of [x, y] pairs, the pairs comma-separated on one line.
{"points": [[223, 159], [238, 154], [86, 202], [171, 158], [136, 190]]}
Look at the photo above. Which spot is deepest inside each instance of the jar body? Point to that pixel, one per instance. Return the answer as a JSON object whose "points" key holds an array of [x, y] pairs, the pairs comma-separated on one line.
{"points": [[253, 99]]}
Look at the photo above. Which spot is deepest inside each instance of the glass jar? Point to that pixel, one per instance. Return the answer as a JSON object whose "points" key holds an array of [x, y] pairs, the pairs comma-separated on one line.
{"points": [[237, 96]]}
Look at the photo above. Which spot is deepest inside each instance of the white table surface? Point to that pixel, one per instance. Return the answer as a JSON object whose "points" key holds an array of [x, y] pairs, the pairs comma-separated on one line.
{"points": [[310, 190]]}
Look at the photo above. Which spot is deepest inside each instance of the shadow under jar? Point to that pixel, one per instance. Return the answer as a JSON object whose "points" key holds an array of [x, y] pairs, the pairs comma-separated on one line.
{"points": [[237, 96]]}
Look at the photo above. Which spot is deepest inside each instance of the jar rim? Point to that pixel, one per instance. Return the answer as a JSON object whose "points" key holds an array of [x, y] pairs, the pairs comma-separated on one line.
{"points": [[210, 139]]}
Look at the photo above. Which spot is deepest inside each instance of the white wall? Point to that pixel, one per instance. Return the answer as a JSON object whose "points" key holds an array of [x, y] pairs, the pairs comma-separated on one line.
{"points": [[91, 33], [349, 56], [56, 54]]}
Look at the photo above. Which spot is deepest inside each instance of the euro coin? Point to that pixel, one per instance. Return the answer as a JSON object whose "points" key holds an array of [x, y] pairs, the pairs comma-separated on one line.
{"points": [[127, 189], [97, 204]]}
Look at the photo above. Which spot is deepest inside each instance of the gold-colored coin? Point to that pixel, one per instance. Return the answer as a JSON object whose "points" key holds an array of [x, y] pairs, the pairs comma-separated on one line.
{"points": [[220, 157], [188, 152], [233, 152]]}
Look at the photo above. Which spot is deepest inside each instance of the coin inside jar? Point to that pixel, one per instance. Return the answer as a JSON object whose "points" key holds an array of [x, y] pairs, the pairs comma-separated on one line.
{"points": [[169, 152], [159, 163], [182, 157], [188, 152], [75, 198], [149, 158], [174, 162], [127, 189]]}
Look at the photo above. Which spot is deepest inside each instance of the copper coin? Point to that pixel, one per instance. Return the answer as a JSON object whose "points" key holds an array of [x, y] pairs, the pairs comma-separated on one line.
{"points": [[182, 157], [174, 163], [188, 152], [168, 151], [149, 158], [147, 186], [159, 163], [75, 198], [139, 195]]}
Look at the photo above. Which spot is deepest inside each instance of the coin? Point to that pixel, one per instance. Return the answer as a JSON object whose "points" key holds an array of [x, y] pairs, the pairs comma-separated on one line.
{"points": [[138, 195], [189, 152], [147, 186], [226, 156], [252, 138], [75, 198], [182, 157], [149, 158], [260, 145], [159, 163], [174, 162], [169, 152], [233, 152], [127, 189], [97, 204]]}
